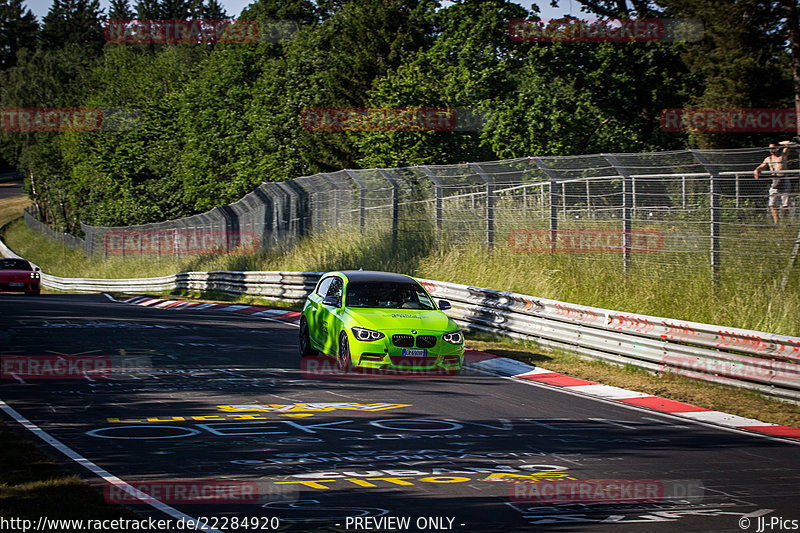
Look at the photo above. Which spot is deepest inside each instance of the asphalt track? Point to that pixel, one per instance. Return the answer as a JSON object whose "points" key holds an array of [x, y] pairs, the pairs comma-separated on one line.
{"points": [[219, 398]]}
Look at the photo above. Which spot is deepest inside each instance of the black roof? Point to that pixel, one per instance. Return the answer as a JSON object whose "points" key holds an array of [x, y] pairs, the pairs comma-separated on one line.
{"points": [[370, 275]]}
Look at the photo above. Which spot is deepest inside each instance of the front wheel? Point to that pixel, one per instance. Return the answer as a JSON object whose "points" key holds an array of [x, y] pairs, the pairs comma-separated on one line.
{"points": [[305, 339], [344, 361]]}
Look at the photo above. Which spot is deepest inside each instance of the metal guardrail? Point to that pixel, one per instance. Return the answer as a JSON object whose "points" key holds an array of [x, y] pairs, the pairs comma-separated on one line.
{"points": [[742, 358], [10, 176], [285, 286], [760, 361]]}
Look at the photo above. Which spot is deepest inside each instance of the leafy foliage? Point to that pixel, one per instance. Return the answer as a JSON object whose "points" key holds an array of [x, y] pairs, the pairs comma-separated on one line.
{"points": [[212, 120]]}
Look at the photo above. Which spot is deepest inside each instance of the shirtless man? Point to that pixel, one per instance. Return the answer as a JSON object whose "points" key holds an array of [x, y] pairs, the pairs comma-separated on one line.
{"points": [[781, 187]]}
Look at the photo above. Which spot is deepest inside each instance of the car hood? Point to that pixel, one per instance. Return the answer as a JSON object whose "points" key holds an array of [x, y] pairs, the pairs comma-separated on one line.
{"points": [[401, 319]]}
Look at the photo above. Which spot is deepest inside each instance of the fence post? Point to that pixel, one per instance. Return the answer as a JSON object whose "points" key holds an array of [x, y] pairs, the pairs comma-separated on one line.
{"points": [[627, 201], [362, 202], [683, 192], [395, 201], [437, 189], [296, 209], [231, 221], [267, 219], [334, 193], [489, 180], [553, 201], [278, 209], [588, 201], [316, 195], [713, 191]]}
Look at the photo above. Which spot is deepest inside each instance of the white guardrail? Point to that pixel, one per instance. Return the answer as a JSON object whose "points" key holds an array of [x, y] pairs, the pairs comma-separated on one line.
{"points": [[748, 359]]}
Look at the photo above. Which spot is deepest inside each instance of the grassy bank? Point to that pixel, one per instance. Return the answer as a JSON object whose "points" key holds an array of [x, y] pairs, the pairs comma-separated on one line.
{"points": [[743, 298]]}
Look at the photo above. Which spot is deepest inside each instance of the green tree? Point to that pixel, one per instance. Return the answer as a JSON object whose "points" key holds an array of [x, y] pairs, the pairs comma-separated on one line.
{"points": [[330, 65], [46, 78], [73, 21], [148, 10], [18, 29], [469, 65], [743, 61], [120, 10]]}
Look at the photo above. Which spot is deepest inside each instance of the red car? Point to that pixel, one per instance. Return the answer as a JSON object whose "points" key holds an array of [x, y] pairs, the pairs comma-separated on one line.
{"points": [[18, 275]]}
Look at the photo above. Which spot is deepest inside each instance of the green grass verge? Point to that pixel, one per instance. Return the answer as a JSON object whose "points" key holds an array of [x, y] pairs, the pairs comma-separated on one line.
{"points": [[745, 297]]}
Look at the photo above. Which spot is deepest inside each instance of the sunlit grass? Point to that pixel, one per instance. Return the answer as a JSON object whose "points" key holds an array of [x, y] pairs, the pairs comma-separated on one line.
{"points": [[742, 298]]}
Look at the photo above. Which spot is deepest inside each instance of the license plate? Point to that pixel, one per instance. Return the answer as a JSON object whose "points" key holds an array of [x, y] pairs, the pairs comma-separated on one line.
{"points": [[16, 284], [411, 352]]}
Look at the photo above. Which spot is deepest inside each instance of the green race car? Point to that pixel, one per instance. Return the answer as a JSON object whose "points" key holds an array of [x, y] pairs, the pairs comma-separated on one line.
{"points": [[379, 320]]}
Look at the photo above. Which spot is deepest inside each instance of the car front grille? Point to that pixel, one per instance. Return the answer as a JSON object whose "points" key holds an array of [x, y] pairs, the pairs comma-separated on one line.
{"points": [[426, 341], [402, 340]]}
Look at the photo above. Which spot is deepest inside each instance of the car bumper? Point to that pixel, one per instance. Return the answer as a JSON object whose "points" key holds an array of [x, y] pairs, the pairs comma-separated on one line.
{"points": [[382, 354], [20, 286]]}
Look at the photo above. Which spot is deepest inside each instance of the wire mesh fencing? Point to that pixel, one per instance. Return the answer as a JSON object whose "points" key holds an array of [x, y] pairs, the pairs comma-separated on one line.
{"points": [[33, 223], [698, 212]]}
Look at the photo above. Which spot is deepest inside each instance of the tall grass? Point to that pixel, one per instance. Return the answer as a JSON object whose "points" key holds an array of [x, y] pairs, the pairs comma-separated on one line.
{"points": [[682, 290]]}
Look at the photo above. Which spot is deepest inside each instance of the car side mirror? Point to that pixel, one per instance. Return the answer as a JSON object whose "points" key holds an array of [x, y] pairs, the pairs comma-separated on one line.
{"points": [[444, 305], [36, 269], [332, 301]]}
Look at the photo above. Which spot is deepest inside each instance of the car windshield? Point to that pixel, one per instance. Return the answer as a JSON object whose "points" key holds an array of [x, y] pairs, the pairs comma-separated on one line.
{"points": [[387, 295], [14, 264]]}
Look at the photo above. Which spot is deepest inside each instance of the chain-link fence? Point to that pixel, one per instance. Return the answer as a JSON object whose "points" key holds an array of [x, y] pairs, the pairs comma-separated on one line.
{"points": [[699, 211], [34, 224]]}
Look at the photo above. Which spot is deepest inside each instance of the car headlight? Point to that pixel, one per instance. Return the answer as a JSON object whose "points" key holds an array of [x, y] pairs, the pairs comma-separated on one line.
{"points": [[453, 338], [364, 334], [34, 275]]}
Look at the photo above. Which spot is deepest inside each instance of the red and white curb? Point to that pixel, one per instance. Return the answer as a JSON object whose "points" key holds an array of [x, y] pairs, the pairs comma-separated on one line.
{"points": [[275, 314], [518, 370], [511, 368]]}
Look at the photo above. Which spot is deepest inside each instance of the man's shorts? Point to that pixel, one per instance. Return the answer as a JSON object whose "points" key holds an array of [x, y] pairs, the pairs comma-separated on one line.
{"points": [[776, 197]]}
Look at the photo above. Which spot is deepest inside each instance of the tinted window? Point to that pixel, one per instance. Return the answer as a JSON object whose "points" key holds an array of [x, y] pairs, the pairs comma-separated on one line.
{"points": [[335, 288], [14, 264], [388, 295]]}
